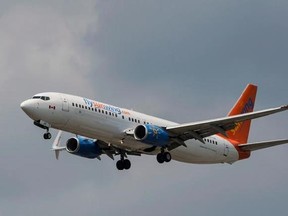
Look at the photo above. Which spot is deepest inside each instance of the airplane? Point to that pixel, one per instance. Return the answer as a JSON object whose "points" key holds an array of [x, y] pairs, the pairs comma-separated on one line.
{"points": [[102, 129]]}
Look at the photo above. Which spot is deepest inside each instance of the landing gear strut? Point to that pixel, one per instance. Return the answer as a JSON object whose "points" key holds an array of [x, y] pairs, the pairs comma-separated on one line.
{"points": [[123, 163], [45, 126], [164, 157]]}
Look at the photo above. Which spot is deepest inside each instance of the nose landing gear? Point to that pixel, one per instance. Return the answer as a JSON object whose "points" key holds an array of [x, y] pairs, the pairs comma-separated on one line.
{"points": [[45, 126], [47, 135]]}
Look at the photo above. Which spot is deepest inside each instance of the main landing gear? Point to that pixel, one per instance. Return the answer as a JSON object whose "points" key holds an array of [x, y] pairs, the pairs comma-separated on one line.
{"points": [[164, 157], [123, 163]]}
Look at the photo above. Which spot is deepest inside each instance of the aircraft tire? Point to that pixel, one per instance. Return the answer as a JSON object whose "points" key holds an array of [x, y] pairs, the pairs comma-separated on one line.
{"points": [[167, 157], [47, 136], [127, 164], [120, 165], [160, 158]]}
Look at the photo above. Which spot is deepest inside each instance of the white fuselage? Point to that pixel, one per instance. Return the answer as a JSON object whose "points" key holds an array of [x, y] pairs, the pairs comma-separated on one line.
{"points": [[108, 123]]}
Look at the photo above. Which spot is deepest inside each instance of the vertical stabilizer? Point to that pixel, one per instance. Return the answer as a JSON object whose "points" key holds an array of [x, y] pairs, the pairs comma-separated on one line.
{"points": [[245, 104]]}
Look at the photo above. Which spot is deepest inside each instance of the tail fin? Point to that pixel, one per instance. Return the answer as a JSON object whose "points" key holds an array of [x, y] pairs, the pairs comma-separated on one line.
{"points": [[244, 104]]}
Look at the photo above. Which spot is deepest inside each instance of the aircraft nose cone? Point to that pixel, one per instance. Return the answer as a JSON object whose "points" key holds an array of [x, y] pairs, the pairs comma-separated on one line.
{"points": [[28, 107], [24, 105]]}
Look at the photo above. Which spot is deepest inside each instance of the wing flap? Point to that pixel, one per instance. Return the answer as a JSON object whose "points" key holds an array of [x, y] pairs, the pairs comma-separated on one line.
{"points": [[262, 145]]}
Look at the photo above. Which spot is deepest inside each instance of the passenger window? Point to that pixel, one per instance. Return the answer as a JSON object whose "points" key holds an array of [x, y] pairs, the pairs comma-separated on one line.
{"points": [[103, 111], [116, 115], [122, 117]]}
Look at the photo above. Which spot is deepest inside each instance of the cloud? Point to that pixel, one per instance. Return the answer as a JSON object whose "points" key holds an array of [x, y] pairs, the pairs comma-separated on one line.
{"points": [[184, 61], [45, 48]]}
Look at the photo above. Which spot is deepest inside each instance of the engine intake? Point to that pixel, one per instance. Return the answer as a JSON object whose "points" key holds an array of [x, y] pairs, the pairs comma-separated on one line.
{"points": [[151, 134], [72, 145], [140, 132], [83, 147]]}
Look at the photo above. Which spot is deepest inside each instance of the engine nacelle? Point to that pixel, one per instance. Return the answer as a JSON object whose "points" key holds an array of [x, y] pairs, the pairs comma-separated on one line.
{"points": [[83, 147], [151, 134]]}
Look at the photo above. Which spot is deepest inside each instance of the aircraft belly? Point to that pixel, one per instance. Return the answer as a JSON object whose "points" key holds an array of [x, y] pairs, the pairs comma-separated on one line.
{"points": [[193, 154], [199, 153]]}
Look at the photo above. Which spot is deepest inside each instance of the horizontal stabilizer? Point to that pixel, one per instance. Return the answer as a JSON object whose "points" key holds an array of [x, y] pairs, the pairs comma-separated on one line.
{"points": [[262, 145]]}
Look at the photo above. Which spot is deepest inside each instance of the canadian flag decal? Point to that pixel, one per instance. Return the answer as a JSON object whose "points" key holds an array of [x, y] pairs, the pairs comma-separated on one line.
{"points": [[52, 107]]}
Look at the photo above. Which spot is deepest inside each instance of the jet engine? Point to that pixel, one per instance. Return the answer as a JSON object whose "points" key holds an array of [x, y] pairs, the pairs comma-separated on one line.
{"points": [[152, 135], [83, 147]]}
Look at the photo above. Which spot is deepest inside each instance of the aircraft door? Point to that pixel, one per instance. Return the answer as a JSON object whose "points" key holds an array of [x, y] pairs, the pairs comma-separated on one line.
{"points": [[65, 104]]}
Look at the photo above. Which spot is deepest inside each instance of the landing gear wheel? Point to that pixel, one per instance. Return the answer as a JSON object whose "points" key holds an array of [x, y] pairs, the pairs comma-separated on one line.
{"points": [[47, 136], [123, 164], [164, 157], [120, 165], [160, 158], [127, 164], [167, 156]]}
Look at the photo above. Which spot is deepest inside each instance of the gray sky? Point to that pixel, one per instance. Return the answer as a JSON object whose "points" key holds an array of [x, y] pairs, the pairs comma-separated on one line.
{"points": [[180, 60]]}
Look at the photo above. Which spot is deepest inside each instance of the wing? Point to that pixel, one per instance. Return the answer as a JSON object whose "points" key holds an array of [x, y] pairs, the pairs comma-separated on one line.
{"points": [[262, 145], [202, 129]]}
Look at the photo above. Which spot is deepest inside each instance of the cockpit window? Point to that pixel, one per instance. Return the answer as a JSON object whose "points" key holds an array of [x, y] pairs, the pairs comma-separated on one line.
{"points": [[45, 98]]}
